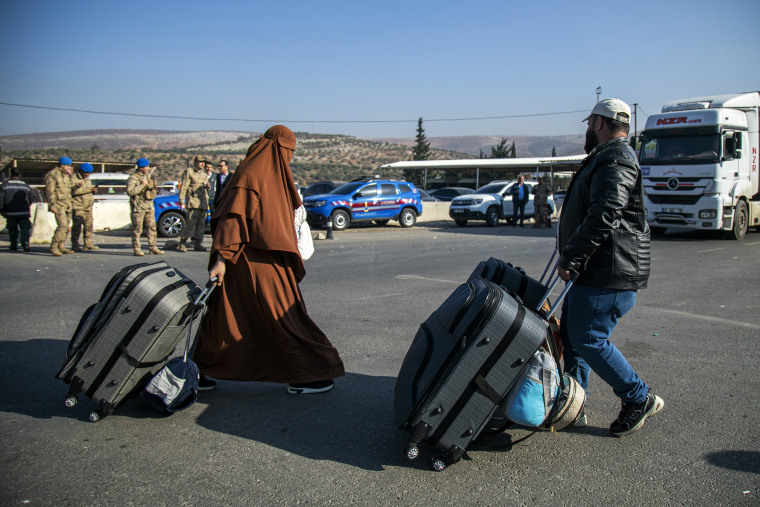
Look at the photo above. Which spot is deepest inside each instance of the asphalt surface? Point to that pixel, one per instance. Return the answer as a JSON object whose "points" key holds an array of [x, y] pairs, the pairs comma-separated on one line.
{"points": [[692, 336]]}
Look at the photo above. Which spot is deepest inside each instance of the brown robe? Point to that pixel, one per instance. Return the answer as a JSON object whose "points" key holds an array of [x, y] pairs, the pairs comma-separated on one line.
{"points": [[257, 327]]}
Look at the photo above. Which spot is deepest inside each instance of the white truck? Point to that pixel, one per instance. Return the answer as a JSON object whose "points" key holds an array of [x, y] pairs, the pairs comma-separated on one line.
{"points": [[699, 161]]}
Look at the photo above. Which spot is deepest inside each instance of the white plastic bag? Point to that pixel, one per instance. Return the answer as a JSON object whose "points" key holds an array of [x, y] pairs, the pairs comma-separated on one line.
{"points": [[303, 233]]}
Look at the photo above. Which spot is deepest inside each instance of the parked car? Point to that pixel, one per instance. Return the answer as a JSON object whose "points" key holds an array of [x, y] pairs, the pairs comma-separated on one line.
{"points": [[448, 193], [427, 197], [366, 199], [491, 203], [321, 187]]}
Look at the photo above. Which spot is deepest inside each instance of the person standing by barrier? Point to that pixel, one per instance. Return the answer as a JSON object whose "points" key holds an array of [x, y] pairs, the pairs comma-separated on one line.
{"points": [[193, 196], [220, 179], [82, 191], [541, 191], [520, 195], [15, 201], [141, 188], [604, 237], [58, 194]]}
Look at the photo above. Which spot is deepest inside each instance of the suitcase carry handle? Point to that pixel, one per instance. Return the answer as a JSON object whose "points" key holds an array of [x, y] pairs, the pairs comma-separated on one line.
{"points": [[198, 305]]}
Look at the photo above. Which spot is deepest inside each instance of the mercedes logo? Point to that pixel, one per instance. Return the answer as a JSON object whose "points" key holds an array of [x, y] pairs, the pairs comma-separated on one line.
{"points": [[673, 183]]}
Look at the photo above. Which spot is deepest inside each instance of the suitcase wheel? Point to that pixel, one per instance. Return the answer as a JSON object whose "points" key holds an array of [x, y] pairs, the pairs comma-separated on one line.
{"points": [[412, 452], [94, 416], [70, 402], [439, 463]]}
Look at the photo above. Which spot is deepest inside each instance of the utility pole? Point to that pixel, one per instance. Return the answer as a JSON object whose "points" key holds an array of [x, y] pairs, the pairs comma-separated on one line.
{"points": [[635, 122], [598, 92]]}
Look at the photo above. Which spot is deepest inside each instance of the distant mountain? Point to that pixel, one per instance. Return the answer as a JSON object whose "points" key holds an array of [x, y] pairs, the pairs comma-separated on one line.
{"points": [[526, 146]]}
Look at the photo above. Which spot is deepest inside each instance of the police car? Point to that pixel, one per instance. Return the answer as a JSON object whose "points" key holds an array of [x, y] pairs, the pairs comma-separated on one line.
{"points": [[365, 199]]}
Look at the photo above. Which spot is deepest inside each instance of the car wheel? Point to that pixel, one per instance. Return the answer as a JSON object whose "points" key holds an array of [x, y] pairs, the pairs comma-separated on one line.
{"points": [[340, 220], [460, 222], [492, 216], [408, 217], [381, 222], [170, 224]]}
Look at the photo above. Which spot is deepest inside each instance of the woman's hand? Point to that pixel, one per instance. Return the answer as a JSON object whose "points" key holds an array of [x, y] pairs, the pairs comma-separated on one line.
{"points": [[218, 271]]}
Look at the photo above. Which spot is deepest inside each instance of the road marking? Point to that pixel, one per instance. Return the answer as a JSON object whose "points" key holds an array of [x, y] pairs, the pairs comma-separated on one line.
{"points": [[752, 244], [718, 320], [417, 277], [709, 250]]}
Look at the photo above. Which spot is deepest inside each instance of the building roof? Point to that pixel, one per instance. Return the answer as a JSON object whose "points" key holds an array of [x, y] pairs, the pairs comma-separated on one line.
{"points": [[540, 163]]}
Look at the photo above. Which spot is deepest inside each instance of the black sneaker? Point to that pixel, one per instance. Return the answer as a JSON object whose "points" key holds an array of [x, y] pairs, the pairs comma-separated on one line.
{"points": [[632, 417], [311, 387], [206, 384]]}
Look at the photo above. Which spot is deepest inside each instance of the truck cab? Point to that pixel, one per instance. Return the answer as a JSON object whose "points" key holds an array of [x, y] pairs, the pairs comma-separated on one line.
{"points": [[699, 165]]}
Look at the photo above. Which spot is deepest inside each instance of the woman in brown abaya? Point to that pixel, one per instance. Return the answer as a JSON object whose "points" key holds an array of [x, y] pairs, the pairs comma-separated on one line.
{"points": [[256, 327]]}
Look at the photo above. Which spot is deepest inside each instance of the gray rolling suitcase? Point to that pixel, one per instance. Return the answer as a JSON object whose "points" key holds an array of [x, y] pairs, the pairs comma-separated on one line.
{"points": [[462, 363], [138, 324]]}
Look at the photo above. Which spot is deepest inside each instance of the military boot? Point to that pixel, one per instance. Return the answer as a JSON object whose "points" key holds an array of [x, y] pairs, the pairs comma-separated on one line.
{"points": [[182, 247], [89, 246], [138, 252], [155, 251], [54, 249], [63, 250], [199, 247]]}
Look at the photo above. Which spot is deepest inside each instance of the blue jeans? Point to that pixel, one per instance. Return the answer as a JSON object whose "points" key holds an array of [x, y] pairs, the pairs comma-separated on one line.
{"points": [[589, 314], [518, 206]]}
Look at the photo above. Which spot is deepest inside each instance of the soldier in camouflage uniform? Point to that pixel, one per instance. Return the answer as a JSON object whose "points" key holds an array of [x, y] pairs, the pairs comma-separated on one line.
{"points": [[193, 195], [81, 203], [141, 189], [58, 193]]}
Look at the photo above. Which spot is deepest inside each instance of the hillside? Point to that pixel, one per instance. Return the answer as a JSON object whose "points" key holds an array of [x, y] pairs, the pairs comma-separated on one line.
{"points": [[318, 156]]}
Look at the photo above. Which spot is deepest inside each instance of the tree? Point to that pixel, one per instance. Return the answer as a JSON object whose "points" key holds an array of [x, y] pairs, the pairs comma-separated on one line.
{"points": [[501, 150], [421, 150]]}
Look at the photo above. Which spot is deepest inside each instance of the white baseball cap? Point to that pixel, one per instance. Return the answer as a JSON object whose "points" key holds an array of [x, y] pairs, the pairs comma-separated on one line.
{"points": [[612, 108]]}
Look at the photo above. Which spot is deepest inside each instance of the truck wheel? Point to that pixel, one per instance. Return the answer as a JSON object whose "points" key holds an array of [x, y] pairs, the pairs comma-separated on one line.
{"points": [[460, 222], [658, 231], [170, 224], [492, 216], [340, 220], [741, 222], [408, 217]]}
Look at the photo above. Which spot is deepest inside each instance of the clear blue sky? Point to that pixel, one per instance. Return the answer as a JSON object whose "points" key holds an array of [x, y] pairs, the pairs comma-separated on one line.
{"points": [[309, 63]]}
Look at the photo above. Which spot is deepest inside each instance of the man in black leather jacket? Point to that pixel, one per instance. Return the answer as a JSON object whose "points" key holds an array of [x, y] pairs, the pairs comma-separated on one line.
{"points": [[604, 238]]}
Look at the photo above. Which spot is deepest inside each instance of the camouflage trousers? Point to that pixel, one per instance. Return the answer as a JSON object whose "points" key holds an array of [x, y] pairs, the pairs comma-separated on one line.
{"points": [[142, 219], [62, 219], [196, 225], [81, 220]]}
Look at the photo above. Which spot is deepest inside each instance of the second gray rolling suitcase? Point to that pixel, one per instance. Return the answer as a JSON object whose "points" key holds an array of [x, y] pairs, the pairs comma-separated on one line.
{"points": [[513, 278], [138, 324], [462, 363]]}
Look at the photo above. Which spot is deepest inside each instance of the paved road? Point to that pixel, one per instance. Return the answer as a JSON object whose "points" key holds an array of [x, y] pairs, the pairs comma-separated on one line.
{"points": [[693, 336]]}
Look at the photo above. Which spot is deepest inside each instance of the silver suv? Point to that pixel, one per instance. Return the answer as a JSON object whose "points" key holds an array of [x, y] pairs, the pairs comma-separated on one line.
{"points": [[491, 203]]}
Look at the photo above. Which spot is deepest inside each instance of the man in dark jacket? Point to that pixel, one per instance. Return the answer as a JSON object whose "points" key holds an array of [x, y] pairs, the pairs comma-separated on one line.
{"points": [[220, 180], [15, 200], [604, 238], [520, 196]]}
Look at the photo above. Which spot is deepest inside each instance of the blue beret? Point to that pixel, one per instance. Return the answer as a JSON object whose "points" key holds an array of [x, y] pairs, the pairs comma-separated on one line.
{"points": [[143, 162], [86, 167], [64, 161]]}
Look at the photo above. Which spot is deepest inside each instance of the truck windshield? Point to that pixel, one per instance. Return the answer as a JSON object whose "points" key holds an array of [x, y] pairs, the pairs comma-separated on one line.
{"points": [[660, 149]]}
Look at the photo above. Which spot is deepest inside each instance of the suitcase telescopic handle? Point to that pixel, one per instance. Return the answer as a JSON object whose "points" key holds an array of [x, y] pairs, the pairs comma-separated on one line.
{"points": [[548, 265], [198, 306], [554, 279]]}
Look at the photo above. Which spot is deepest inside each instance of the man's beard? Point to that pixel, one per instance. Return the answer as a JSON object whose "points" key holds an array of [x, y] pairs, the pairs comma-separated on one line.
{"points": [[592, 141]]}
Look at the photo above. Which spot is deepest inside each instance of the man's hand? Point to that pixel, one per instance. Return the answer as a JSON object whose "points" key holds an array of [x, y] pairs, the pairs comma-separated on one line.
{"points": [[563, 273]]}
